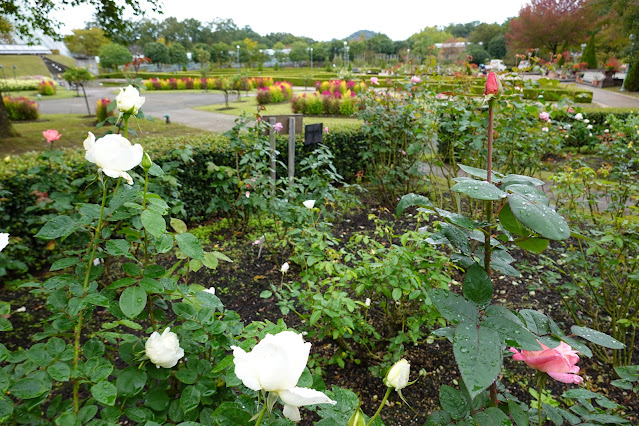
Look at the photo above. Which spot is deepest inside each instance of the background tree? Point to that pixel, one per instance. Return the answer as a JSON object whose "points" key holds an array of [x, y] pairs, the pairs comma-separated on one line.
{"points": [[461, 30], [299, 52], [157, 53], [590, 56], [86, 41], [79, 77], [5, 31], [177, 54], [478, 53], [551, 24], [497, 47], [484, 33], [113, 55], [220, 53], [280, 55], [632, 79]]}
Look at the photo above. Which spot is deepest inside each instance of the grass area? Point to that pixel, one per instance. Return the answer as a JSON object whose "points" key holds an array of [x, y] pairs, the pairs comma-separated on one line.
{"points": [[74, 129], [617, 89], [61, 93], [30, 65], [249, 106]]}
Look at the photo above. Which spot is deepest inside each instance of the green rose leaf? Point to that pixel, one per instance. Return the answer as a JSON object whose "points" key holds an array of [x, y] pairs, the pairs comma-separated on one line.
{"points": [[230, 414], [156, 399], [63, 263], [119, 248], [59, 371], [104, 392], [510, 222], [153, 223], [178, 226], [130, 381], [409, 200], [597, 337], [479, 190], [535, 245], [190, 245], [30, 387], [453, 307], [538, 217], [60, 226], [190, 398], [473, 346], [133, 301], [478, 286], [453, 402], [481, 173]]}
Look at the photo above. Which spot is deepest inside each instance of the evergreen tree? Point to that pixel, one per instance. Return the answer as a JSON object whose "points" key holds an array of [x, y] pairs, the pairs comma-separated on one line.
{"points": [[632, 78], [589, 55]]}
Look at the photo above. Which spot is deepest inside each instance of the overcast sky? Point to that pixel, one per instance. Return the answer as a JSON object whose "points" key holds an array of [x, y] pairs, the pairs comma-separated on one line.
{"points": [[327, 19]]}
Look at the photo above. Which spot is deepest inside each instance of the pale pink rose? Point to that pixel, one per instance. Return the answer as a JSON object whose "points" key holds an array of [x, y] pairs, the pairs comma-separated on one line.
{"points": [[326, 129], [248, 194], [570, 110], [544, 129], [440, 96], [374, 81], [51, 135], [559, 363], [278, 126], [544, 116], [415, 79]]}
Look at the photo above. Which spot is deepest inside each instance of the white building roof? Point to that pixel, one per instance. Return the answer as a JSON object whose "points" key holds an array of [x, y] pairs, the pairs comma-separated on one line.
{"points": [[23, 49]]}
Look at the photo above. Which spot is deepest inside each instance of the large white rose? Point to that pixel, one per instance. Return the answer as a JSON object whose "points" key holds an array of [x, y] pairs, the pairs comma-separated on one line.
{"points": [[275, 365], [164, 349], [4, 241], [113, 154], [129, 100], [397, 376]]}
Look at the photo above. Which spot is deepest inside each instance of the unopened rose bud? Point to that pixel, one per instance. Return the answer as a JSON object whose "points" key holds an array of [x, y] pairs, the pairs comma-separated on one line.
{"points": [[492, 84], [357, 419], [146, 162], [397, 376]]}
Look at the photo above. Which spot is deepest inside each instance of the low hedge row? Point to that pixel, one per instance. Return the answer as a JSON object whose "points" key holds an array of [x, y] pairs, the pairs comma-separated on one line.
{"points": [[68, 180]]}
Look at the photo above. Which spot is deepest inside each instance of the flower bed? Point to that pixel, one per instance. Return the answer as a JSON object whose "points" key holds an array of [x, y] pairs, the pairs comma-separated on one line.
{"points": [[277, 92], [21, 109], [13, 85]]}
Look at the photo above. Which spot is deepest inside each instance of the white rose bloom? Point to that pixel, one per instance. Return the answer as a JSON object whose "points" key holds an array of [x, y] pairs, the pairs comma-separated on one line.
{"points": [[164, 349], [285, 267], [275, 365], [397, 376], [129, 100], [4, 240], [579, 116], [210, 290], [309, 204], [589, 127], [113, 154], [367, 302], [586, 121]]}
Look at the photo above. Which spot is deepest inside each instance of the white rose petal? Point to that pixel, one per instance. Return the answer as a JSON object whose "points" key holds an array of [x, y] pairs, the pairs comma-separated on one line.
{"points": [[4, 240], [129, 100], [210, 290], [113, 154], [21, 309], [579, 116], [368, 301], [164, 349], [309, 204], [285, 267]]}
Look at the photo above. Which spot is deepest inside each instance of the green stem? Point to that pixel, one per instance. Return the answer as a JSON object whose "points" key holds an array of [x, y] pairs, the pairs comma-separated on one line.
{"points": [[542, 384], [126, 125], [489, 177], [78, 327], [259, 419], [146, 248], [379, 410]]}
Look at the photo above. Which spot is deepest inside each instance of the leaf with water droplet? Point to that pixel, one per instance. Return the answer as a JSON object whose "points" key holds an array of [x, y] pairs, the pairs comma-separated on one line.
{"points": [[597, 337], [538, 217], [133, 301], [479, 190]]}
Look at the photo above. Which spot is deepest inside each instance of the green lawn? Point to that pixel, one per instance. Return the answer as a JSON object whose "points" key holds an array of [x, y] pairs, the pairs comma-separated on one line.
{"points": [[74, 129], [30, 65], [249, 106]]}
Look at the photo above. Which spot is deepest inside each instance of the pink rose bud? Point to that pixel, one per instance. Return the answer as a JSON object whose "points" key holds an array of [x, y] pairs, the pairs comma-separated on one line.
{"points": [[326, 129], [558, 362], [374, 81], [492, 84]]}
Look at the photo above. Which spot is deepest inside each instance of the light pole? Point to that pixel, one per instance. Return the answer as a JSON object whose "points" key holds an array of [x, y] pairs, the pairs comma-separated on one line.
{"points": [[14, 73], [311, 58], [238, 57], [623, 84], [345, 50]]}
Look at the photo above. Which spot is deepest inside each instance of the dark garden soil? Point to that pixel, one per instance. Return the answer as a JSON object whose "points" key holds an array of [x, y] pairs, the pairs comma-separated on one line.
{"points": [[240, 283]]}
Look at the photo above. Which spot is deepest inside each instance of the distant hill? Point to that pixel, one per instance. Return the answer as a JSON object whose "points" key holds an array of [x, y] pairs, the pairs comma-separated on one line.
{"points": [[357, 35]]}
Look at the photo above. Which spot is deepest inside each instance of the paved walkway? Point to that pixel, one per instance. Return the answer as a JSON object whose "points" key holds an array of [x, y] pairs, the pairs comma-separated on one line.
{"points": [[179, 105]]}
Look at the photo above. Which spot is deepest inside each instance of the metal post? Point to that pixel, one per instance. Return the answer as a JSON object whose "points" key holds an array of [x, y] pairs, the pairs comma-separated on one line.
{"points": [[271, 121], [291, 149], [311, 58], [14, 73]]}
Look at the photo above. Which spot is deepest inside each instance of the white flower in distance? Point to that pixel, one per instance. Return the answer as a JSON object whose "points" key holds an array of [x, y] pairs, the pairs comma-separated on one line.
{"points": [[113, 154], [579, 116], [129, 100], [275, 365], [397, 376], [285, 267], [164, 349], [210, 290], [309, 204], [4, 240]]}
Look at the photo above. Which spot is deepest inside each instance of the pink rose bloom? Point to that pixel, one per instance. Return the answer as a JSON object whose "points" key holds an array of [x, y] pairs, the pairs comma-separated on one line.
{"points": [[248, 194], [415, 79], [326, 129], [440, 96], [570, 110], [544, 116], [374, 81], [51, 135], [558, 362], [278, 126]]}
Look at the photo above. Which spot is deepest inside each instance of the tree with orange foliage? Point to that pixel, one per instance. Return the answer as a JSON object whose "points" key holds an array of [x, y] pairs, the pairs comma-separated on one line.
{"points": [[551, 24]]}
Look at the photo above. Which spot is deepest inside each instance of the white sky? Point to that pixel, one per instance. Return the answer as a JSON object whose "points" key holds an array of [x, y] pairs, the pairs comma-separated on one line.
{"points": [[327, 19]]}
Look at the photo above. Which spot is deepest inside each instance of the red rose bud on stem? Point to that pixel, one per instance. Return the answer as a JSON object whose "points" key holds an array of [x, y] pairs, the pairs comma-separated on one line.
{"points": [[492, 84]]}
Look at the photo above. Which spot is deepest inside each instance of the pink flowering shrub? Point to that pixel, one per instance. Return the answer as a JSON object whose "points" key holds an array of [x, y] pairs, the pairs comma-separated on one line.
{"points": [[46, 88], [280, 91], [21, 108]]}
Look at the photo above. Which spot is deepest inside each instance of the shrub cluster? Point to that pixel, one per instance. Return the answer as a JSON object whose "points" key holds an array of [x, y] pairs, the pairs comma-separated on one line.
{"points": [[21, 109], [340, 88], [280, 91], [101, 109], [325, 104], [46, 88], [261, 82], [32, 83]]}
